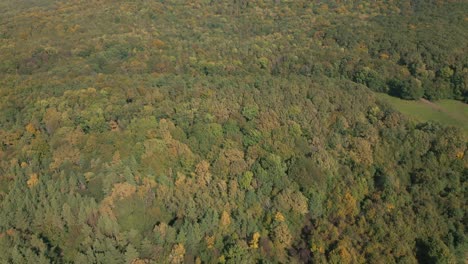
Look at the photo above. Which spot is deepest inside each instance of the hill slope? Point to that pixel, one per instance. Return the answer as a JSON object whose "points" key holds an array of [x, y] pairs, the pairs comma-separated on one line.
{"points": [[231, 132]]}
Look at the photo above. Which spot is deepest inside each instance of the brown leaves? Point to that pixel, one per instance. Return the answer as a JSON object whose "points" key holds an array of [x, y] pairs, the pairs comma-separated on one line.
{"points": [[268, 121], [203, 173]]}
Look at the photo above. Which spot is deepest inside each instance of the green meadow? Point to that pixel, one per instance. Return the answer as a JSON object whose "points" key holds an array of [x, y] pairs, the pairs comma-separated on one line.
{"points": [[448, 112]]}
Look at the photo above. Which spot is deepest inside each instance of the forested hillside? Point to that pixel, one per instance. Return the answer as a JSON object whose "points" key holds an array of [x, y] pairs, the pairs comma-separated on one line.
{"points": [[230, 132]]}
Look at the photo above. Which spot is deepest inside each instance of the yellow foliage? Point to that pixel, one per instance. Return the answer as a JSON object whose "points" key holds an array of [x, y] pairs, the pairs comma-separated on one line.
{"points": [[225, 219], [161, 229], [384, 56], [119, 192], [202, 170], [349, 203], [362, 151], [460, 155], [281, 236], [122, 190], [33, 180], [90, 91], [210, 240], [88, 176], [279, 217], [30, 128], [177, 254], [345, 255], [390, 207], [254, 241], [317, 248]]}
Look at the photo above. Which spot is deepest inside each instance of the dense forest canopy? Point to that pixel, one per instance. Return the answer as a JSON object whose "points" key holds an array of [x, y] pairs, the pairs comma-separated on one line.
{"points": [[230, 132]]}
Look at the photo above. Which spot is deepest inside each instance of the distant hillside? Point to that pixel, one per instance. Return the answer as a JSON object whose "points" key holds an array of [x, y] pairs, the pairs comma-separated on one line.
{"points": [[405, 48]]}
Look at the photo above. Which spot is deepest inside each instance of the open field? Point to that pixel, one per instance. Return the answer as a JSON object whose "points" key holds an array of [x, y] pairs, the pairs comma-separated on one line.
{"points": [[448, 112]]}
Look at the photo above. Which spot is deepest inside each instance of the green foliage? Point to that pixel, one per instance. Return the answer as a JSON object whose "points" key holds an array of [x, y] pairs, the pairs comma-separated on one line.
{"points": [[232, 132], [250, 112], [131, 254], [371, 79], [246, 179], [407, 89], [448, 112]]}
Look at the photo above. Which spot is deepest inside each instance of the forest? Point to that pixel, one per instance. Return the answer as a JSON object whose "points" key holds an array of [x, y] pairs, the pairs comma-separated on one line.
{"points": [[237, 131]]}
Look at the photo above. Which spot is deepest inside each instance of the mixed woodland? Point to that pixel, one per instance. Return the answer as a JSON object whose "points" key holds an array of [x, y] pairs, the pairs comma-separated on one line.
{"points": [[232, 131]]}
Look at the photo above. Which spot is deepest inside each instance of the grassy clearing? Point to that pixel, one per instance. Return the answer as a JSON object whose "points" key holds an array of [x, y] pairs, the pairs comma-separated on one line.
{"points": [[448, 112]]}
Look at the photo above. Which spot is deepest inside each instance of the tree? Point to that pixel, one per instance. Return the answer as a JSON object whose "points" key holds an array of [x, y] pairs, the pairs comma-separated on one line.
{"points": [[131, 254], [254, 241], [409, 89], [281, 236], [33, 180], [202, 171], [52, 119], [371, 79], [225, 220], [177, 254], [250, 112]]}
